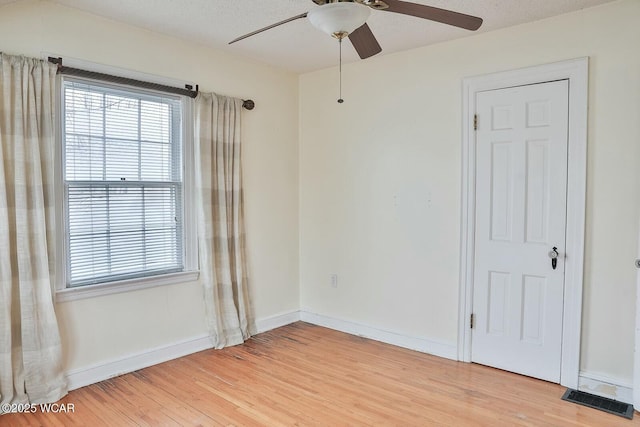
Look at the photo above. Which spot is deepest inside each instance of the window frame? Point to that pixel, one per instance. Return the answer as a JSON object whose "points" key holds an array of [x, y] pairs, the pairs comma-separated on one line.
{"points": [[63, 291]]}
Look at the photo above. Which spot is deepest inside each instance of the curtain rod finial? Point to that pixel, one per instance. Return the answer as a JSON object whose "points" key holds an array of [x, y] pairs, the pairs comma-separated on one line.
{"points": [[248, 104]]}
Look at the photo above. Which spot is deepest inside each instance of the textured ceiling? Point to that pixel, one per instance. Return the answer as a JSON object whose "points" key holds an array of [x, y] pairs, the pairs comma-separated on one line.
{"points": [[297, 46]]}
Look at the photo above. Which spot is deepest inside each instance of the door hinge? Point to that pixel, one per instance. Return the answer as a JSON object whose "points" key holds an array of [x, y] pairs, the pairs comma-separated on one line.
{"points": [[472, 320], [475, 122]]}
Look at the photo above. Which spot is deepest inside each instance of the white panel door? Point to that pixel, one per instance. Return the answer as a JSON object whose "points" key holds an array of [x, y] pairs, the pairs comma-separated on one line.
{"points": [[521, 186]]}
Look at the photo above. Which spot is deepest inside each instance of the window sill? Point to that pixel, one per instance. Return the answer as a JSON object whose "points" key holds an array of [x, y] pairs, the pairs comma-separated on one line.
{"points": [[91, 291]]}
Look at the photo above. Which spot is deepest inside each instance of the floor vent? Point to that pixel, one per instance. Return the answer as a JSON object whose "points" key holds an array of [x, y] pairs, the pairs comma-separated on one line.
{"points": [[602, 403]]}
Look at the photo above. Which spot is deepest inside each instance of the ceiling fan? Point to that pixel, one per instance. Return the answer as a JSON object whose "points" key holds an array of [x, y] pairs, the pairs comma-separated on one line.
{"points": [[347, 18]]}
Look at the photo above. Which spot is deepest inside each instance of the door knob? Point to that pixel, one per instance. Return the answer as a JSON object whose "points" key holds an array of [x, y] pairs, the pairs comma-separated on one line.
{"points": [[553, 254]]}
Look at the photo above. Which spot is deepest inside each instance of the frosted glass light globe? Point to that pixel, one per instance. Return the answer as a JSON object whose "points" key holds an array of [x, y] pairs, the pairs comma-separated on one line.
{"points": [[339, 18]]}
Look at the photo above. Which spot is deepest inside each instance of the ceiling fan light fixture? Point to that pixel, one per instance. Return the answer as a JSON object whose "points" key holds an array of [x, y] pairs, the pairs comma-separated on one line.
{"points": [[339, 19]]}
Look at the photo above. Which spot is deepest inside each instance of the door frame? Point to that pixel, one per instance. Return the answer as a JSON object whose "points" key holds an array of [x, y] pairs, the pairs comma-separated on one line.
{"points": [[636, 353], [576, 71]]}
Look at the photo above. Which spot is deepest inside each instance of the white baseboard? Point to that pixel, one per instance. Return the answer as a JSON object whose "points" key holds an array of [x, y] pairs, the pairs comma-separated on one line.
{"points": [[448, 351], [276, 321], [99, 372], [590, 382], [606, 386], [77, 378]]}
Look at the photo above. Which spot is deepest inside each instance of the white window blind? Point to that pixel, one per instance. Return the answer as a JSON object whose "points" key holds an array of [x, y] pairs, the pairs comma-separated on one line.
{"points": [[123, 183]]}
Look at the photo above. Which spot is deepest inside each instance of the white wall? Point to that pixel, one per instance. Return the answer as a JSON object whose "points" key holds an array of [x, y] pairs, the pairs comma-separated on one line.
{"points": [[112, 327], [380, 179]]}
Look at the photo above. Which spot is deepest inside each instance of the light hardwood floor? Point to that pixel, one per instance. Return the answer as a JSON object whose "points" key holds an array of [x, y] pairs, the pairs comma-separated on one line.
{"points": [[307, 375]]}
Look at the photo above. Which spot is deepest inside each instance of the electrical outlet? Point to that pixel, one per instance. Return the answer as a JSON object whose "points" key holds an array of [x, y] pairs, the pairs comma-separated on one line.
{"points": [[334, 280]]}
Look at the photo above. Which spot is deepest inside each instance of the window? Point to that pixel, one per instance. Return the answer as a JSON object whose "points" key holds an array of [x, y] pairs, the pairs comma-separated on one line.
{"points": [[123, 180]]}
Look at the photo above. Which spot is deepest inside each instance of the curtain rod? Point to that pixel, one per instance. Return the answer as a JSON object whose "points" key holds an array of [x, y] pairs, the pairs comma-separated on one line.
{"points": [[187, 91]]}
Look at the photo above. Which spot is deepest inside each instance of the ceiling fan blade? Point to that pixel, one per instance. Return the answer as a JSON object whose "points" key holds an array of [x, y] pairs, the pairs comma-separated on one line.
{"points": [[444, 16], [364, 42], [302, 15]]}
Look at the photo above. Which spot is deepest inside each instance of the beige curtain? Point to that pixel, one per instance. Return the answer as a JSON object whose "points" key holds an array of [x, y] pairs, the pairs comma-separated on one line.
{"points": [[30, 351], [221, 221]]}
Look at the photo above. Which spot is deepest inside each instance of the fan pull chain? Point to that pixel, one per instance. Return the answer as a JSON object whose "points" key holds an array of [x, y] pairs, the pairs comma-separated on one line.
{"points": [[340, 100]]}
